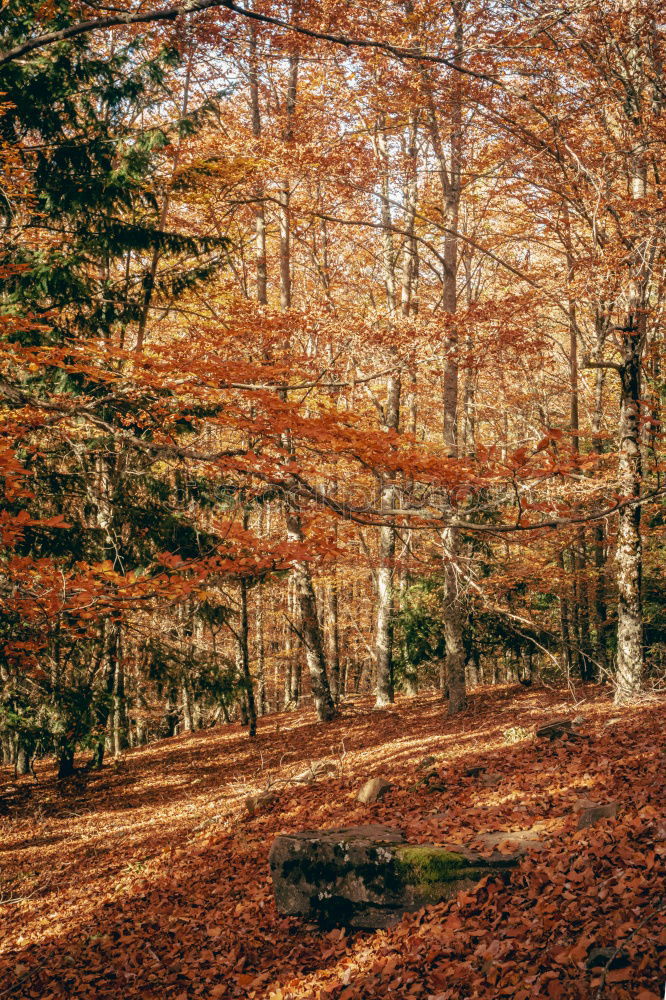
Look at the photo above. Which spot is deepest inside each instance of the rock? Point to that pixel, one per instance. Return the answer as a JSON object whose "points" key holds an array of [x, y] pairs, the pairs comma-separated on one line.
{"points": [[316, 770], [558, 728], [473, 772], [432, 782], [581, 804], [373, 789], [610, 958], [512, 845], [592, 814], [260, 802], [426, 763], [368, 876]]}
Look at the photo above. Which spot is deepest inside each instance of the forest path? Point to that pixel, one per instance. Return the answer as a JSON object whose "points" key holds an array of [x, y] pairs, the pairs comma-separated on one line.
{"points": [[149, 880]]}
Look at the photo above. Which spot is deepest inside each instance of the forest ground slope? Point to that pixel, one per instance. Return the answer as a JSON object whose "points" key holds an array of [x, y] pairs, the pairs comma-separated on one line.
{"points": [[150, 880]]}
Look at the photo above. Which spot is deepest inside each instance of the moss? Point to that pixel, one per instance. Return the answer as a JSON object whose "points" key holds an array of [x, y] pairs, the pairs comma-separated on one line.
{"points": [[428, 865]]}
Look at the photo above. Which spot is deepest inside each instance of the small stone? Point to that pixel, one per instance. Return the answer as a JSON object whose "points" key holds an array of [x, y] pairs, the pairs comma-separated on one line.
{"points": [[581, 804], [260, 802], [557, 729], [373, 789], [510, 846], [594, 813], [319, 769], [610, 958]]}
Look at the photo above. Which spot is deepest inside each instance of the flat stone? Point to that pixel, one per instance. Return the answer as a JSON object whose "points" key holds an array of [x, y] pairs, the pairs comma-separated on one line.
{"points": [[557, 729], [511, 845], [581, 804], [368, 876], [610, 958], [373, 789], [592, 815], [317, 770], [260, 802]]}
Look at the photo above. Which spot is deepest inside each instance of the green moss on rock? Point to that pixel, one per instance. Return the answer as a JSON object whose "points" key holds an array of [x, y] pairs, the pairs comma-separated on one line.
{"points": [[429, 865]]}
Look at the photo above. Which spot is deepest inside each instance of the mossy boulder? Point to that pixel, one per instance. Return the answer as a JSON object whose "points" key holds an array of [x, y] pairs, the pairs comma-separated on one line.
{"points": [[368, 876]]}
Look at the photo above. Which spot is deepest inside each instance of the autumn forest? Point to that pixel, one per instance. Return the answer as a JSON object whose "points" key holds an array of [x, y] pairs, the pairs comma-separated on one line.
{"points": [[331, 380]]}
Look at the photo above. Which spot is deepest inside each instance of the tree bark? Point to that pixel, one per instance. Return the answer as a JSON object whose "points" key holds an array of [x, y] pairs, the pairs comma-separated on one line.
{"points": [[284, 193], [310, 627], [384, 687], [629, 676], [243, 661], [450, 180], [261, 269]]}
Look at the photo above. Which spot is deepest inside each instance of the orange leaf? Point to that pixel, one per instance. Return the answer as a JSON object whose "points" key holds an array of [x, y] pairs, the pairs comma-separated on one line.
{"points": [[618, 975]]}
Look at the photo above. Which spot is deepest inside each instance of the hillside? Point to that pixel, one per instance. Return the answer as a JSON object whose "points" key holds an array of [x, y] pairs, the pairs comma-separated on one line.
{"points": [[150, 880]]}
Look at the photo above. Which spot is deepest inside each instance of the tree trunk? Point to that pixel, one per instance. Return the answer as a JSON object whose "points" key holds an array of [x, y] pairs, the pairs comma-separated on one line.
{"points": [[453, 621], [629, 558], [334, 640], [244, 661], [119, 710], [262, 693], [310, 627], [284, 194], [188, 722], [450, 175], [66, 761], [259, 209], [629, 676], [384, 692], [22, 759], [565, 622]]}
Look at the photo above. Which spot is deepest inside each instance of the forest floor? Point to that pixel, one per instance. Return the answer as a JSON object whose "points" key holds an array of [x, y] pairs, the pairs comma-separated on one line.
{"points": [[149, 880]]}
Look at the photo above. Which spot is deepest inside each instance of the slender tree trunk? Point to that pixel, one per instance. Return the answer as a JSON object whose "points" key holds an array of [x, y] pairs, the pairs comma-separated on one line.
{"points": [[629, 557], [384, 686], [311, 632], [453, 621], [386, 569], [244, 661], [262, 694], [22, 760], [565, 621], [629, 677], [261, 268], [310, 627], [171, 712], [334, 639], [602, 321], [66, 761], [110, 640], [450, 180], [284, 194], [186, 702]]}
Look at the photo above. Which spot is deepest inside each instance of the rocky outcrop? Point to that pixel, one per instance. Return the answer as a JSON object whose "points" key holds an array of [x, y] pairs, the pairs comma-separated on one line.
{"points": [[368, 876]]}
